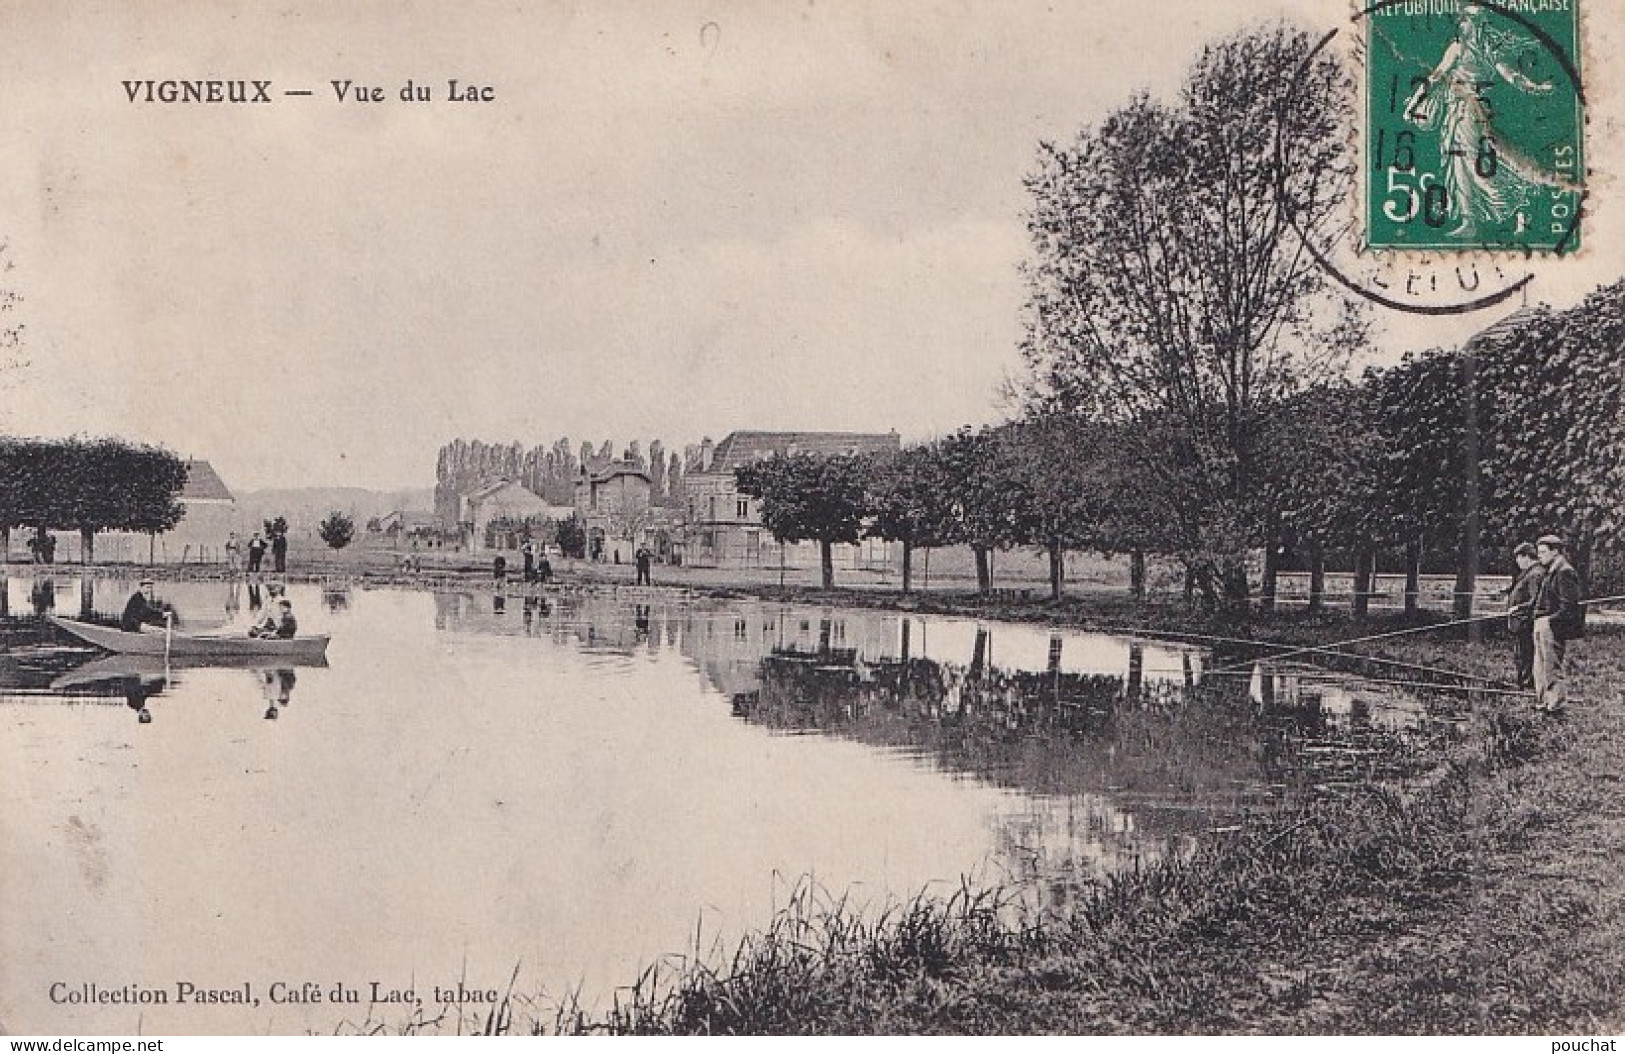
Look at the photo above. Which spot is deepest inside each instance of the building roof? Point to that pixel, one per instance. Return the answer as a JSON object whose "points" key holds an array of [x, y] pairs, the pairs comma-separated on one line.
{"points": [[616, 468], [507, 493], [741, 448], [203, 483], [485, 490]]}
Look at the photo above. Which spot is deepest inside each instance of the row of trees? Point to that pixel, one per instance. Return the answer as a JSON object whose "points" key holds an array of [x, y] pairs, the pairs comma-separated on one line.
{"points": [[1519, 433], [88, 485], [549, 471]]}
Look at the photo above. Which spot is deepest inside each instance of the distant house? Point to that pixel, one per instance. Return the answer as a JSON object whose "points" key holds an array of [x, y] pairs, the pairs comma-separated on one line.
{"points": [[403, 522], [211, 515], [723, 527], [498, 515], [614, 505]]}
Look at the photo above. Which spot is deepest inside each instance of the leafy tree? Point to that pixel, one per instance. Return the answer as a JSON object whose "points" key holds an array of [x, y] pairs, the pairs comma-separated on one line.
{"points": [[806, 497], [908, 502], [1169, 279], [89, 486], [337, 530], [1420, 409], [1323, 487], [983, 492], [152, 489], [572, 537], [1061, 479]]}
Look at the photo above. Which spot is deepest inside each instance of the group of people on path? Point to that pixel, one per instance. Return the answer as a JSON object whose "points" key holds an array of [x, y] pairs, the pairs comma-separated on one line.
{"points": [[1544, 613], [257, 547]]}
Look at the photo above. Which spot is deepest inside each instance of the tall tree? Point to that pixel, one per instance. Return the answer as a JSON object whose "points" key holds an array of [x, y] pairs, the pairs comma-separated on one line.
{"points": [[1061, 483], [805, 497], [909, 504], [983, 492], [1169, 277]]}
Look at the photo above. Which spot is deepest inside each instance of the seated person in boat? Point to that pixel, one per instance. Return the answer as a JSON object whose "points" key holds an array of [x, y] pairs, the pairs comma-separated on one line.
{"points": [[280, 625], [142, 610]]}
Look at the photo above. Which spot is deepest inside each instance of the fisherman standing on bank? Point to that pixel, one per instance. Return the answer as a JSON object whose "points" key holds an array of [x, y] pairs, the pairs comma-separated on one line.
{"points": [[1521, 611], [1557, 621]]}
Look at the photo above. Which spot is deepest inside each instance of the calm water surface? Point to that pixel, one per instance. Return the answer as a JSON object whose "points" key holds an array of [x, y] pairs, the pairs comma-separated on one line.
{"points": [[578, 784]]}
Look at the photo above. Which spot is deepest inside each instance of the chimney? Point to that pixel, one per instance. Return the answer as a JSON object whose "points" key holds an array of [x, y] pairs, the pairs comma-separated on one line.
{"points": [[707, 448]]}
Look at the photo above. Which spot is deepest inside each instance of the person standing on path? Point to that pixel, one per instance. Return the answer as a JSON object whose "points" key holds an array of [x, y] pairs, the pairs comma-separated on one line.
{"points": [[1521, 611], [643, 558], [233, 553], [1557, 621], [279, 552], [256, 553]]}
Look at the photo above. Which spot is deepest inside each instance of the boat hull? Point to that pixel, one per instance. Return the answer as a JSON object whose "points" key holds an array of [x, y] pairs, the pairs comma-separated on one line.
{"points": [[151, 642]]}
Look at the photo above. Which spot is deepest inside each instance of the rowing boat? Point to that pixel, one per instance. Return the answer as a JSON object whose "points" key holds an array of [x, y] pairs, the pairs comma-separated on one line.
{"points": [[188, 646]]}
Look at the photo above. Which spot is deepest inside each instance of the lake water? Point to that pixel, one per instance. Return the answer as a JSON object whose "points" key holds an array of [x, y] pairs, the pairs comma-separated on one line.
{"points": [[577, 784]]}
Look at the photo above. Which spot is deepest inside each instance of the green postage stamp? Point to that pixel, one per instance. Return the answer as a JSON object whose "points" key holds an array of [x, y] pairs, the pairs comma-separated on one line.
{"points": [[1473, 125]]}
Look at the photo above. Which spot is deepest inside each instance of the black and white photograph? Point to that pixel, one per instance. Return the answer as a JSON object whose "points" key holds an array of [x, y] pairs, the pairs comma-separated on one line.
{"points": [[728, 517]]}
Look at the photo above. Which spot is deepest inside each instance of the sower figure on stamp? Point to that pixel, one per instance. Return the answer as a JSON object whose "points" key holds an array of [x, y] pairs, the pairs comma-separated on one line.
{"points": [[1487, 182], [1557, 621], [1521, 611]]}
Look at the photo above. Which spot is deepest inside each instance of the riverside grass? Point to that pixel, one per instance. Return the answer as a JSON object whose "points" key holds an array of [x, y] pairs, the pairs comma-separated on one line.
{"points": [[1490, 900]]}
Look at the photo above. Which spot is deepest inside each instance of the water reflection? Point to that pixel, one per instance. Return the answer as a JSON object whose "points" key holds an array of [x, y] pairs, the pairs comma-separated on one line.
{"points": [[1137, 737], [571, 780]]}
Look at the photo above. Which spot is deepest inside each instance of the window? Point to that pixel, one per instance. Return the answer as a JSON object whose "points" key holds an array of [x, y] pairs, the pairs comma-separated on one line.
{"points": [[743, 507]]}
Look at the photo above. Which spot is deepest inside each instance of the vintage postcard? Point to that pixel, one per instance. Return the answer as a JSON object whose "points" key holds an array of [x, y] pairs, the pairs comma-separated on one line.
{"points": [[722, 516]]}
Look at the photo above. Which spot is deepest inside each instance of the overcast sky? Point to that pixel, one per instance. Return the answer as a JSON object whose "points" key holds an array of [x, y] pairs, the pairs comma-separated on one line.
{"points": [[676, 219]]}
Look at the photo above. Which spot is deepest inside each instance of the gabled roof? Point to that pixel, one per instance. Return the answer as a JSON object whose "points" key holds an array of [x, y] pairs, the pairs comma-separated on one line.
{"points": [[616, 468], [741, 448], [203, 483]]}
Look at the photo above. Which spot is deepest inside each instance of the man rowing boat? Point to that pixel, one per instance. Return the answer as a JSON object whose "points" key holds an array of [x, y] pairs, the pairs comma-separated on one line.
{"points": [[142, 610]]}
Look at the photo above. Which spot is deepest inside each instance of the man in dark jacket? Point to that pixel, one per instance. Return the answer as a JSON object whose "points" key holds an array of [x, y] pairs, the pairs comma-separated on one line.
{"points": [[141, 610], [1521, 611], [1557, 621]]}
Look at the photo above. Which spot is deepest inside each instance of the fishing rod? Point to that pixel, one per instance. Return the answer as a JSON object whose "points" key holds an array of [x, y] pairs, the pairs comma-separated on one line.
{"points": [[1334, 647], [1248, 642]]}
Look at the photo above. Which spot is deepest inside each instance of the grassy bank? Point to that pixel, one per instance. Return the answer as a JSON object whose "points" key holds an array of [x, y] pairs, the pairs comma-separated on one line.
{"points": [[1488, 901]]}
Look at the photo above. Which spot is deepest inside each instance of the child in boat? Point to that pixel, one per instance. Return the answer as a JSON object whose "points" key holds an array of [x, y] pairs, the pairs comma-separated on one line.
{"points": [[280, 625]]}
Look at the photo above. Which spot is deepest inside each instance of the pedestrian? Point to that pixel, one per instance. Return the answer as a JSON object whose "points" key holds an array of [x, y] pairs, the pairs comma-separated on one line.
{"points": [[544, 569], [643, 559], [279, 551], [499, 568], [256, 553], [233, 553], [1558, 620], [529, 553], [1521, 611]]}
